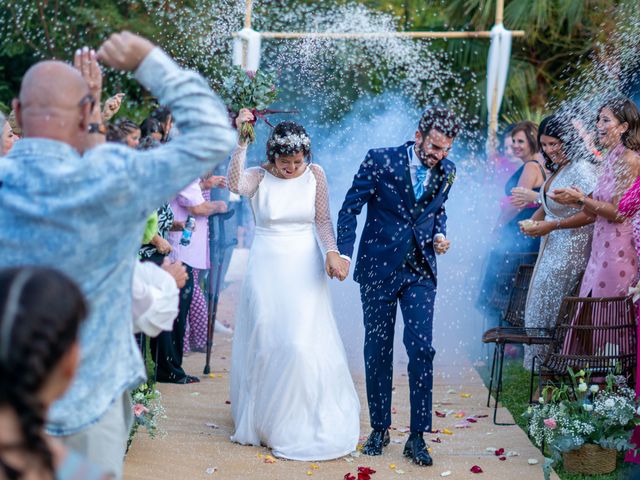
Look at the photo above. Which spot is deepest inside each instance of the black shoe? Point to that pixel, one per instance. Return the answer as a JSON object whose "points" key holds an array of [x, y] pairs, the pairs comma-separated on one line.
{"points": [[377, 439], [416, 449]]}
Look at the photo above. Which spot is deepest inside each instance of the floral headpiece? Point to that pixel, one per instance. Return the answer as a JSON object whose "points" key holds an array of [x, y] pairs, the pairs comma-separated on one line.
{"points": [[292, 141]]}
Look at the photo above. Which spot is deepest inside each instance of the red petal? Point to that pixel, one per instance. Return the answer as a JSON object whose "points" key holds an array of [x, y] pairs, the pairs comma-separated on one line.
{"points": [[348, 476], [476, 469], [364, 476], [502, 459], [499, 452], [366, 470], [440, 414], [436, 440], [472, 420]]}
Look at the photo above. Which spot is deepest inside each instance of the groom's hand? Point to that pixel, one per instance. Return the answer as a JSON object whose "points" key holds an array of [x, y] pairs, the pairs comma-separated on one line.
{"points": [[336, 266], [441, 245]]}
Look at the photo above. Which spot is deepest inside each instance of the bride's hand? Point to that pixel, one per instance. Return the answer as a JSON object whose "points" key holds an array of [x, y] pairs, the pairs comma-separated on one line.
{"points": [[336, 266], [244, 116]]}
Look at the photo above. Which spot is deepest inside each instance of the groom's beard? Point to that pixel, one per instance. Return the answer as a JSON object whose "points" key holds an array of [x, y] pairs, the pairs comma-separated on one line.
{"points": [[427, 160]]}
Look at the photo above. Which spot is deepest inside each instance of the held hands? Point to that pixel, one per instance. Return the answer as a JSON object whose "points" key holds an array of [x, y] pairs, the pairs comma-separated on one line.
{"points": [[124, 51], [441, 245], [521, 197], [336, 266], [568, 196]]}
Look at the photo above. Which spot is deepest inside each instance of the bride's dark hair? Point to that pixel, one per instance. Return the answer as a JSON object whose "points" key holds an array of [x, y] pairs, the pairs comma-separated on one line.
{"points": [[286, 139], [40, 313]]}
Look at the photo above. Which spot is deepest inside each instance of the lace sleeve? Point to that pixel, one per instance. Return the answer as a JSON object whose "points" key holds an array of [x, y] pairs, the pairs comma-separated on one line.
{"points": [[324, 226], [243, 181]]}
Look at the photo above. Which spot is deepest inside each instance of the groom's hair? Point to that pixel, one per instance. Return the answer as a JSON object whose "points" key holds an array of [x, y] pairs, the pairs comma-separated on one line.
{"points": [[439, 119]]}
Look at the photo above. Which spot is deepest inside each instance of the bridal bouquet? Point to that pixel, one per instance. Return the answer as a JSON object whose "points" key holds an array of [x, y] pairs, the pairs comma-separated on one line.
{"points": [[252, 90]]}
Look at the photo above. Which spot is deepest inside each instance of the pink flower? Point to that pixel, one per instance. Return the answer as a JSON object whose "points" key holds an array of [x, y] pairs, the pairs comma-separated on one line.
{"points": [[139, 409], [251, 74], [551, 423]]}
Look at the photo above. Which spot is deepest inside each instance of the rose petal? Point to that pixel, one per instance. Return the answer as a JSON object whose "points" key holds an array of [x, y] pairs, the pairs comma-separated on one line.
{"points": [[466, 395], [211, 470], [436, 440], [348, 476], [212, 425], [475, 469], [471, 420], [502, 459], [446, 431], [440, 414], [532, 461], [499, 452], [400, 471], [445, 474]]}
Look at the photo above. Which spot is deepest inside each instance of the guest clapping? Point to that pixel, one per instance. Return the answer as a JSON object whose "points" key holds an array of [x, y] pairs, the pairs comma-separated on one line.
{"points": [[613, 262], [563, 253]]}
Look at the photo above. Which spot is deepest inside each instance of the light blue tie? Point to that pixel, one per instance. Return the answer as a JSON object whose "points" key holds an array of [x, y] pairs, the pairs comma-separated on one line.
{"points": [[421, 175]]}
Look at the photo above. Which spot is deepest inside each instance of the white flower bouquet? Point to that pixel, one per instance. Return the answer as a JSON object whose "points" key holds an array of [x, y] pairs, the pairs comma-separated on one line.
{"points": [[570, 416]]}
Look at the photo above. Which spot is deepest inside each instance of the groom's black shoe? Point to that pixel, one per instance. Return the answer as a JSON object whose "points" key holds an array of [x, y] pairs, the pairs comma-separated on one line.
{"points": [[377, 439], [416, 449]]}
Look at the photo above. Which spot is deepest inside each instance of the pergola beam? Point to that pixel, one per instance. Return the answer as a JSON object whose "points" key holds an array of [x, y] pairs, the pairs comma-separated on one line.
{"points": [[380, 35]]}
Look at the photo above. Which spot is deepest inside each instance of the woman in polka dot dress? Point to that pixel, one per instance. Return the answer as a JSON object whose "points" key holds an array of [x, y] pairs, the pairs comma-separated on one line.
{"points": [[613, 262]]}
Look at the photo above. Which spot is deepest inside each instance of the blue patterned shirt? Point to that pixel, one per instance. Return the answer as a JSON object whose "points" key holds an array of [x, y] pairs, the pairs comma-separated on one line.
{"points": [[85, 214]]}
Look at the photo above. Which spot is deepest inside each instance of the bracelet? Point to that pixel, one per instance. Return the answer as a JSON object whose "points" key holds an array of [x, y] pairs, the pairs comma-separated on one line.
{"points": [[558, 227]]}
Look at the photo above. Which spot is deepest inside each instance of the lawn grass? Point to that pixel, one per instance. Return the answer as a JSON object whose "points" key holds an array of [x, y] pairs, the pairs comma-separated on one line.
{"points": [[514, 397]]}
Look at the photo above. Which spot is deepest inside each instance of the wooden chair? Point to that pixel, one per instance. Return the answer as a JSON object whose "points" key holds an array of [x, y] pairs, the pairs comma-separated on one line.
{"points": [[512, 331], [598, 333]]}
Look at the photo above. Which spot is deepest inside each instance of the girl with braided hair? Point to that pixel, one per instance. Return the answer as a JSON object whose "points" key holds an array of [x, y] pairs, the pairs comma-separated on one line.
{"points": [[40, 313]]}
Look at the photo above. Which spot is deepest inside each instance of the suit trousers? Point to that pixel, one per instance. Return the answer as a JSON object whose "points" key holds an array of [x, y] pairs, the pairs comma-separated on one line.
{"points": [[416, 294]]}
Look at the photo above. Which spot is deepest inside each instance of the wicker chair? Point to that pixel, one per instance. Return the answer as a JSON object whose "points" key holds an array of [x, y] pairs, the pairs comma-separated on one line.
{"points": [[512, 331], [599, 333]]}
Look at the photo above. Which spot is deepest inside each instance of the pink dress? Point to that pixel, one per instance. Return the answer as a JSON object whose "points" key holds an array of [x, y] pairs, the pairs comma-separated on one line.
{"points": [[629, 207], [613, 262]]}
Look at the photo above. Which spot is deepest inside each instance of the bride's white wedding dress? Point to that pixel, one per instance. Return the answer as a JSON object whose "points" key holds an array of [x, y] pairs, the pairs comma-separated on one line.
{"points": [[291, 389]]}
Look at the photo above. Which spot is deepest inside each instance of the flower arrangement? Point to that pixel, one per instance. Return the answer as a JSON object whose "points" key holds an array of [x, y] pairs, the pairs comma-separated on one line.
{"points": [[252, 90], [147, 408], [570, 416]]}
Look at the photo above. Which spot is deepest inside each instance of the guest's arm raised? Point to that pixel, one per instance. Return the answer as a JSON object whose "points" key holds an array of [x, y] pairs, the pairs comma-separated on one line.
{"points": [[205, 137]]}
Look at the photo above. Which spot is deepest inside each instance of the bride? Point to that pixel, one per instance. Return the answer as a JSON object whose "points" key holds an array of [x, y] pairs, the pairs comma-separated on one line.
{"points": [[291, 389]]}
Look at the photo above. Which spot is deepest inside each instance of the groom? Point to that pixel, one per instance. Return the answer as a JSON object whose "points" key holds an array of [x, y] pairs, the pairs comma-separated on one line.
{"points": [[405, 189]]}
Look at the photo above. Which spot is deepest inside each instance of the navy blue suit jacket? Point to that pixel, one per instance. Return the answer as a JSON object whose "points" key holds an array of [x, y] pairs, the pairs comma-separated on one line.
{"points": [[396, 222]]}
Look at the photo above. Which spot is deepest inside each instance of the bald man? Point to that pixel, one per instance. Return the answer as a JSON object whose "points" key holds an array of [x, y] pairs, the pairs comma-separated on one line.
{"points": [[71, 201]]}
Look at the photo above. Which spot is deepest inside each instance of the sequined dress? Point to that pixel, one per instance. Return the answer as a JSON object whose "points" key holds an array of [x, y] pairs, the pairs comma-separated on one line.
{"points": [[563, 255]]}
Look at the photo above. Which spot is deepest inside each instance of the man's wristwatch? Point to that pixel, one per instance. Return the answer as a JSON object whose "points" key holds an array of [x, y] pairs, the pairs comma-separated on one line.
{"points": [[97, 128], [580, 201]]}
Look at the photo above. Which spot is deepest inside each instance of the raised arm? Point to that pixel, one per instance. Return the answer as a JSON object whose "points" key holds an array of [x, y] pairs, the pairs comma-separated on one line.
{"points": [[324, 226], [205, 134], [240, 180]]}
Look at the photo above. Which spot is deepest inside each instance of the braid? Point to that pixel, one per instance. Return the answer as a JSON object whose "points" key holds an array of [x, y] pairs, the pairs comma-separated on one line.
{"points": [[45, 327]]}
